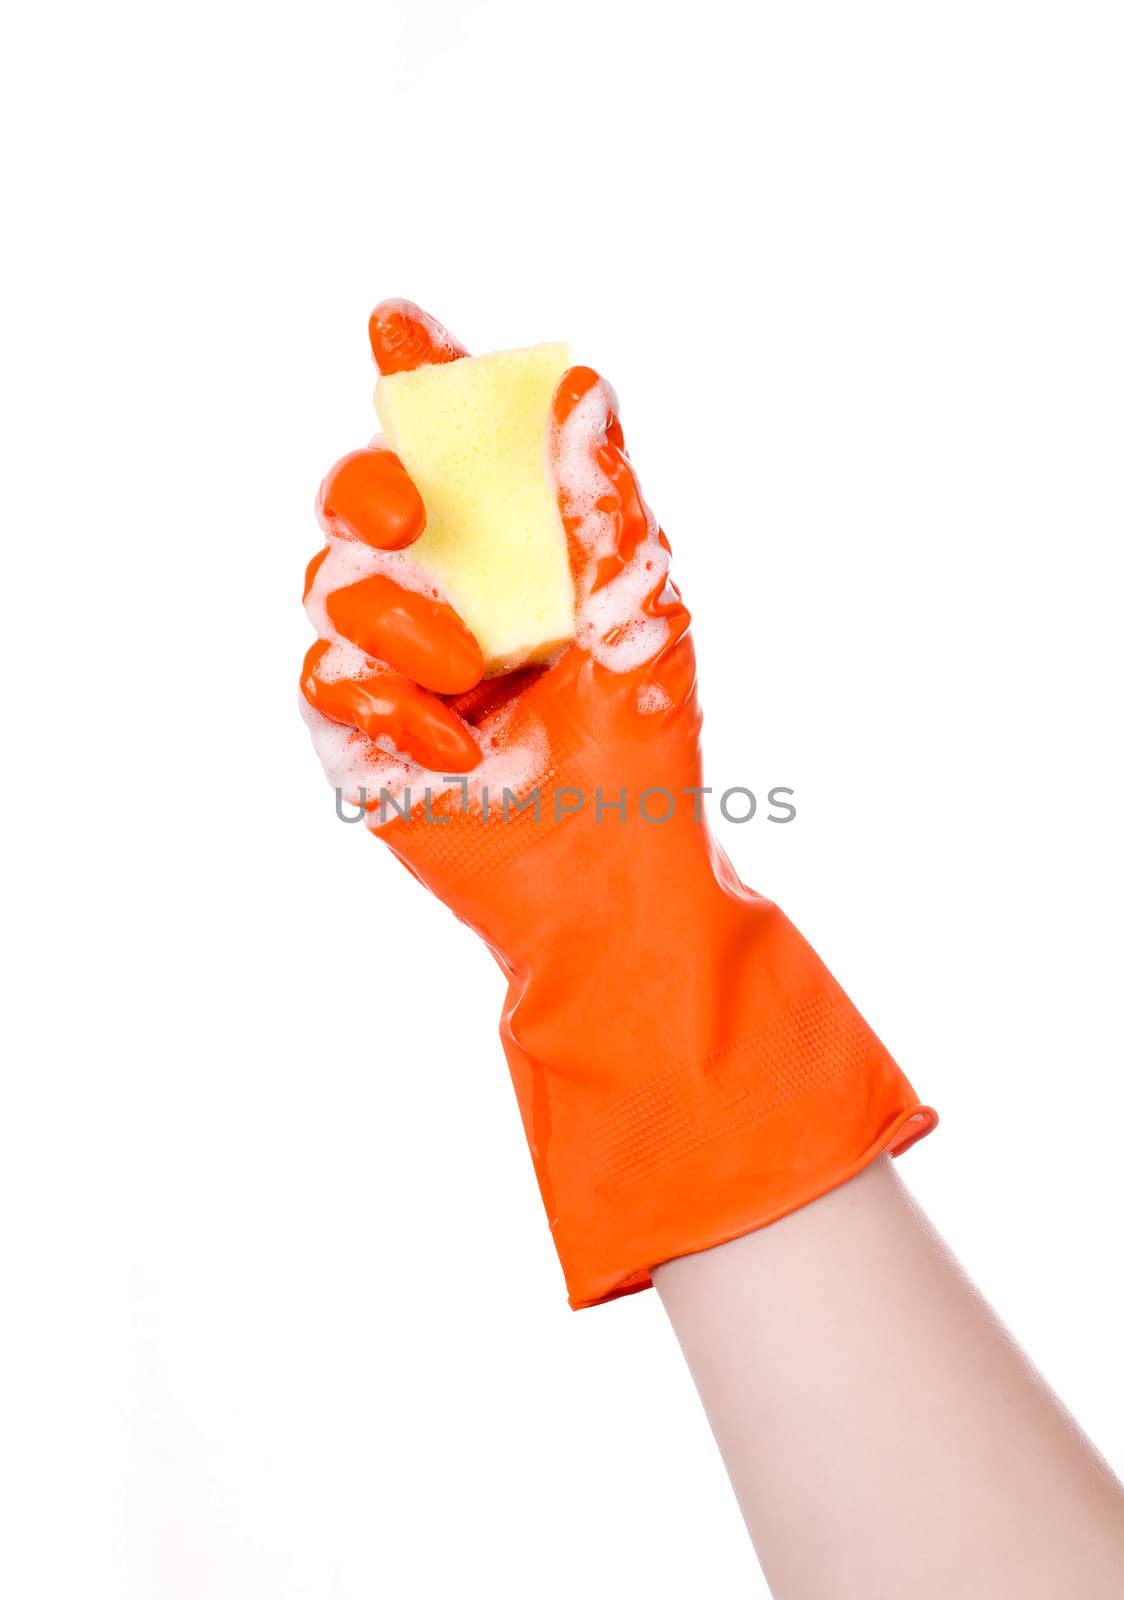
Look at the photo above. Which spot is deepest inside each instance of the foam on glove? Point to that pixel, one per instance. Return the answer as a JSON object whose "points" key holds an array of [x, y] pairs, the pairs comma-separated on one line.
{"points": [[473, 435]]}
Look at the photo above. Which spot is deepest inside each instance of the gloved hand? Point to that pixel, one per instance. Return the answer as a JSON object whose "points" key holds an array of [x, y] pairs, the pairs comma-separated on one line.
{"points": [[686, 1067]]}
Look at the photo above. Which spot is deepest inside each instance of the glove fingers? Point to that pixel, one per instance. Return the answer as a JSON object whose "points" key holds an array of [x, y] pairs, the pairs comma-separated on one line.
{"points": [[403, 337], [384, 705], [420, 637], [370, 496]]}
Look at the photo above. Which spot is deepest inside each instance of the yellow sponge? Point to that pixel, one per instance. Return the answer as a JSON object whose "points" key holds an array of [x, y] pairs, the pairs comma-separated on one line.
{"points": [[472, 435]]}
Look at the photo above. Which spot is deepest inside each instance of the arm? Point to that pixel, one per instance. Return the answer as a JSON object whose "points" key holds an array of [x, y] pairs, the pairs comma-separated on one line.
{"points": [[884, 1435]]}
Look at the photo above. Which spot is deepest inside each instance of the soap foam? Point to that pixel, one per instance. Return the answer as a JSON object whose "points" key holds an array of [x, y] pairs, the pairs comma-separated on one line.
{"points": [[612, 622], [652, 698], [343, 659]]}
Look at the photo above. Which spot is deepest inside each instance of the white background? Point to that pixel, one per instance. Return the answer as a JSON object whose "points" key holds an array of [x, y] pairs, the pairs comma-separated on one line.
{"points": [[280, 1313]]}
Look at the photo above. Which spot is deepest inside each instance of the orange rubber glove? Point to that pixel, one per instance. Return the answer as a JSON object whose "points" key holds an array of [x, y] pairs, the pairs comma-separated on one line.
{"points": [[686, 1067]]}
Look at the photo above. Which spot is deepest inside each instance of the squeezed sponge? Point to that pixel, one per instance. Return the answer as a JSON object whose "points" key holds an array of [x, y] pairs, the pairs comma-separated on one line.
{"points": [[472, 435]]}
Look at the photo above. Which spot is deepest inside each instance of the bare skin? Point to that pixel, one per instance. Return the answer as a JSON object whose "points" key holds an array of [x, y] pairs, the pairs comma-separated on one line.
{"points": [[885, 1436]]}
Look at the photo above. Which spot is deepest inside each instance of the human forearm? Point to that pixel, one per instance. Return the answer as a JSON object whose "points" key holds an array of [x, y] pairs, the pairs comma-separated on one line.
{"points": [[883, 1433]]}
